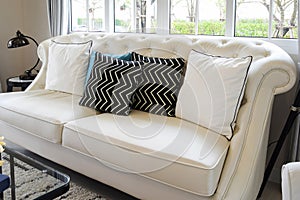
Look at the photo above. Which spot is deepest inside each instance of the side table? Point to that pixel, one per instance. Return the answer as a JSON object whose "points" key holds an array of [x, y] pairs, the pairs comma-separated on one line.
{"points": [[17, 82]]}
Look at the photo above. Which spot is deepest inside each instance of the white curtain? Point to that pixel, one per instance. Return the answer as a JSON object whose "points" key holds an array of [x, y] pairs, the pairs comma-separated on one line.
{"points": [[58, 16]]}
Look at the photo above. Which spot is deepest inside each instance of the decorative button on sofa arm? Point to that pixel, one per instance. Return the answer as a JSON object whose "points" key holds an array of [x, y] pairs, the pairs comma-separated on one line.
{"points": [[290, 184]]}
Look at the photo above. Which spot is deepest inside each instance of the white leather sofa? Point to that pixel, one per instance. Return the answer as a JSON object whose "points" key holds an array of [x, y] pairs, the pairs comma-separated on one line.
{"points": [[151, 156]]}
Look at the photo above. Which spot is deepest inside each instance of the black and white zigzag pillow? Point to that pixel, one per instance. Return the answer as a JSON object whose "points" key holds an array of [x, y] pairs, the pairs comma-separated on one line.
{"points": [[111, 84], [158, 91]]}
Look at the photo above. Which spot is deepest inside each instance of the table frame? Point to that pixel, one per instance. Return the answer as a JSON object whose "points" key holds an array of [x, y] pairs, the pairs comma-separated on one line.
{"points": [[56, 192]]}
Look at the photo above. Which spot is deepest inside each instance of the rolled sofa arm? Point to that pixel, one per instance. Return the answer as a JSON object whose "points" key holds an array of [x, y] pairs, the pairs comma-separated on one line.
{"points": [[290, 183], [39, 81]]}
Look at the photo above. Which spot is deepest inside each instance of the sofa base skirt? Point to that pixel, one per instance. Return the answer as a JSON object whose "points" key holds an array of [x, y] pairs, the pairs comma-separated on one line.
{"points": [[135, 185]]}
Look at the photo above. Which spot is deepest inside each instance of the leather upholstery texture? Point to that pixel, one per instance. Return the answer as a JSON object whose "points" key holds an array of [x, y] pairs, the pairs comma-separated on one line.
{"points": [[149, 156], [166, 149]]}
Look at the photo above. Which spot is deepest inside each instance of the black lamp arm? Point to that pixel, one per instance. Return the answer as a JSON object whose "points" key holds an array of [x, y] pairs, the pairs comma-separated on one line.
{"points": [[38, 60]]}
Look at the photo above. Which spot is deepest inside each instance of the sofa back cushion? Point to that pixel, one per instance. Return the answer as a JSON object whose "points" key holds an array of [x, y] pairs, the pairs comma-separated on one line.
{"points": [[212, 91]]}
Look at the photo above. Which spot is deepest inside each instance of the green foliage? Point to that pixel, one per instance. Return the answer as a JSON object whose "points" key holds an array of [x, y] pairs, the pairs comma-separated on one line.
{"points": [[81, 21], [211, 27], [244, 28], [123, 23], [252, 28], [183, 27]]}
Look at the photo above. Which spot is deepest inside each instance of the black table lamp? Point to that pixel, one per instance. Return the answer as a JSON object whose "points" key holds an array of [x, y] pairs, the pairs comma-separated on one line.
{"points": [[20, 41]]}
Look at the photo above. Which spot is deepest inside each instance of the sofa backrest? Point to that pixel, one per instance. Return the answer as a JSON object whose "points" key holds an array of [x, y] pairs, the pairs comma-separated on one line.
{"points": [[272, 72]]}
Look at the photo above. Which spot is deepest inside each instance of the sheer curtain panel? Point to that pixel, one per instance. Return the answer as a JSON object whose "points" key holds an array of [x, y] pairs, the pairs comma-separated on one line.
{"points": [[58, 16]]}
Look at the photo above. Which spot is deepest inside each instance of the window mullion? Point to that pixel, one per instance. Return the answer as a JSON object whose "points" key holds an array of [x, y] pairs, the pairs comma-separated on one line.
{"points": [[270, 19], [133, 16], [230, 18], [197, 18], [87, 15], [109, 22], [163, 16]]}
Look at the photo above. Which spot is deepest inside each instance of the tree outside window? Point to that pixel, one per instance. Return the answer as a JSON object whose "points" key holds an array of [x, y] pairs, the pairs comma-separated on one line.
{"points": [[252, 18], [256, 23], [87, 15], [135, 16], [207, 19]]}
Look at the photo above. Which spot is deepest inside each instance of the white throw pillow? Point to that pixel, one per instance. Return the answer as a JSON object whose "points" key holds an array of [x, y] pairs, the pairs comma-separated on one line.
{"points": [[67, 66], [212, 91]]}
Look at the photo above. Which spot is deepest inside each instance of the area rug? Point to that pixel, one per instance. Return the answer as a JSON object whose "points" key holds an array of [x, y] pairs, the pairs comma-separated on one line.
{"points": [[31, 183]]}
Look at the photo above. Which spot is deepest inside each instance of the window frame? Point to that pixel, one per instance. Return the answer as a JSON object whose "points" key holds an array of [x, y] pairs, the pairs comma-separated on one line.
{"points": [[163, 23]]}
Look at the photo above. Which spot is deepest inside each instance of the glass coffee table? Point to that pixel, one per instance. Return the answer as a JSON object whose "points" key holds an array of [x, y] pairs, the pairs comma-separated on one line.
{"points": [[31, 179]]}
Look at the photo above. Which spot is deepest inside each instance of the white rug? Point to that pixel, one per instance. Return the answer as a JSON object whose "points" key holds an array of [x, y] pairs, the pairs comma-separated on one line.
{"points": [[31, 183]]}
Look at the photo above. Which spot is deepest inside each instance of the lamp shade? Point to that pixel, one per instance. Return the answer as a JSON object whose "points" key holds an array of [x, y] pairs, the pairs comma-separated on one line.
{"points": [[18, 41]]}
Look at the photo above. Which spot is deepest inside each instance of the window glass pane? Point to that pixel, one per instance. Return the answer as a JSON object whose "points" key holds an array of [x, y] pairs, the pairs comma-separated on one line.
{"points": [[96, 15], [252, 18], [135, 16], [89, 18], [79, 16], [285, 19], [123, 15], [212, 14], [183, 14]]}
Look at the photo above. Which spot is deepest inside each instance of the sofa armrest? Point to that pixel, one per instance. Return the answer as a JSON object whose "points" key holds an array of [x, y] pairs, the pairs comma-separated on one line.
{"points": [[290, 184], [40, 80]]}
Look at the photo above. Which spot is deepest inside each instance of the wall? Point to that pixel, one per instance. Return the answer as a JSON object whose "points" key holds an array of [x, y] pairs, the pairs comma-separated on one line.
{"points": [[35, 25], [11, 12], [30, 17]]}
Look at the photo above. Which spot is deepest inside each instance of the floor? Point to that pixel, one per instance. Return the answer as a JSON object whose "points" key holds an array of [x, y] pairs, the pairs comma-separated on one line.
{"points": [[272, 190]]}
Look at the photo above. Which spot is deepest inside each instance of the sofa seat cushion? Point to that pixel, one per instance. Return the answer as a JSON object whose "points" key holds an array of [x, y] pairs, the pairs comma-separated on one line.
{"points": [[166, 149], [41, 112]]}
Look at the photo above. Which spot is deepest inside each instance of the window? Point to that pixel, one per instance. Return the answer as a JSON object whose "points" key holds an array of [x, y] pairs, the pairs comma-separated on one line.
{"points": [[88, 15], [204, 17], [234, 18], [285, 19], [255, 18], [212, 17], [135, 16], [252, 19]]}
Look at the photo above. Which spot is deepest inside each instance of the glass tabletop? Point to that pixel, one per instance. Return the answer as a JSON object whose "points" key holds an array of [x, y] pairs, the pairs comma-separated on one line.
{"points": [[31, 179]]}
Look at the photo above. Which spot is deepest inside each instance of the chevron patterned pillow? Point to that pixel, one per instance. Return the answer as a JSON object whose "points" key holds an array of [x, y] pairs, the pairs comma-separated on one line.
{"points": [[158, 91], [111, 84], [126, 57]]}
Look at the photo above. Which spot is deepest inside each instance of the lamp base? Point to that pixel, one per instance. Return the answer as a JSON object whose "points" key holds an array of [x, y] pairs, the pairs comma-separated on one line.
{"points": [[27, 76]]}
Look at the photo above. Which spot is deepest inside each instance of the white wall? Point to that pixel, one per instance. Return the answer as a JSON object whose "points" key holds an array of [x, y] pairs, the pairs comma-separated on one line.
{"points": [[35, 25], [11, 61], [30, 17]]}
